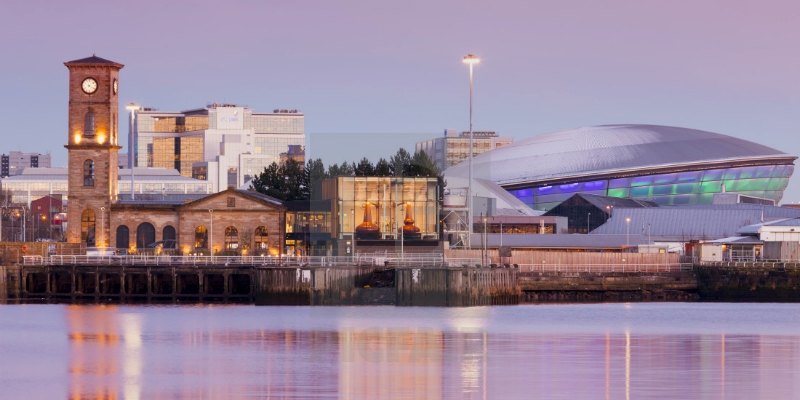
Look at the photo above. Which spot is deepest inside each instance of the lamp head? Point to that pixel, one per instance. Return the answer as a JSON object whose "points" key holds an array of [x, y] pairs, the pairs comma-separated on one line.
{"points": [[471, 59], [132, 107]]}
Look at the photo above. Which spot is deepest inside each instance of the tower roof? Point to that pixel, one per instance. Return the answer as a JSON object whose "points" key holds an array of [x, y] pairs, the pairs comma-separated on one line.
{"points": [[93, 60]]}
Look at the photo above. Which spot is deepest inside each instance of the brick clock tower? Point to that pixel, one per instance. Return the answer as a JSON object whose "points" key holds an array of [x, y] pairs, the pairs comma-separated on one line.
{"points": [[93, 148]]}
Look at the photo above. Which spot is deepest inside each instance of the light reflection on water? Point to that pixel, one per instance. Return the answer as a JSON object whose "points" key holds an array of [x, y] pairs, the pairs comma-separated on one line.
{"points": [[612, 351]]}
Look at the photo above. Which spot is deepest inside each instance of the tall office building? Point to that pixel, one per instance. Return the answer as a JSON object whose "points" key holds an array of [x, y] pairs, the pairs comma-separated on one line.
{"points": [[13, 163], [222, 143], [453, 148]]}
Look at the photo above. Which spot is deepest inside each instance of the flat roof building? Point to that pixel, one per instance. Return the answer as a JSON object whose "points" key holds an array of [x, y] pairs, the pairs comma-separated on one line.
{"points": [[224, 144], [453, 148], [154, 183], [16, 161]]}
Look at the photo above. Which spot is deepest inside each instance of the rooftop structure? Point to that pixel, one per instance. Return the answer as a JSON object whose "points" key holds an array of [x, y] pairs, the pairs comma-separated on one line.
{"points": [[668, 165]]}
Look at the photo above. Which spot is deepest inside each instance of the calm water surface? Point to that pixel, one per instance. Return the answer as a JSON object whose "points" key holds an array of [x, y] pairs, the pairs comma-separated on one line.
{"points": [[597, 351]]}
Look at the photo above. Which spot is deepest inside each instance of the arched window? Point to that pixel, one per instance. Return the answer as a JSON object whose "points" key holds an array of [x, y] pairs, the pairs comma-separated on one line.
{"points": [[231, 238], [201, 237], [261, 238], [145, 235], [168, 236], [88, 173], [88, 124], [87, 227], [123, 237]]}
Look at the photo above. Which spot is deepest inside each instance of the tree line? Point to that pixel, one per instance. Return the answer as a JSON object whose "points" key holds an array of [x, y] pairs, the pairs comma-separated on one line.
{"points": [[294, 181]]}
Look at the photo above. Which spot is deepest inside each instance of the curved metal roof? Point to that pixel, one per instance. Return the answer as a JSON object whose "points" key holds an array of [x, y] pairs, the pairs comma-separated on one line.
{"points": [[609, 149]]}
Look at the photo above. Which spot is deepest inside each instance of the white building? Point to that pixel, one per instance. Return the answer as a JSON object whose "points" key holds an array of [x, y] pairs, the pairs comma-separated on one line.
{"points": [[13, 163], [149, 184], [453, 148], [222, 143]]}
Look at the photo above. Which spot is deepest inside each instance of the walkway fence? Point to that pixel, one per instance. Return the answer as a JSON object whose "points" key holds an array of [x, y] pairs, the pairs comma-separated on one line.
{"points": [[375, 259]]}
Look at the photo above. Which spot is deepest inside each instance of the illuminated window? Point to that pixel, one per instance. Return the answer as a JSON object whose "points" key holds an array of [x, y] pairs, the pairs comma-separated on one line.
{"points": [[201, 237], [261, 238], [231, 238]]}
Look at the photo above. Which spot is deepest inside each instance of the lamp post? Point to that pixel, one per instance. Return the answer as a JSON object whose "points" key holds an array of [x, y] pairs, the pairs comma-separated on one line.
{"points": [[3, 210], [627, 231], [132, 108], [24, 224], [400, 229], [211, 233], [485, 243], [470, 59], [588, 218]]}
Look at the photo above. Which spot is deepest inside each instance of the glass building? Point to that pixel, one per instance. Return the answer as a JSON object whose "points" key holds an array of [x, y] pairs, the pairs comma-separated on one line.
{"points": [[222, 143], [667, 165], [390, 201]]}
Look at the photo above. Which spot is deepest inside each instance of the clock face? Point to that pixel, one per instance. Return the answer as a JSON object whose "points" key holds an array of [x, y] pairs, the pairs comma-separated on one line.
{"points": [[116, 86], [89, 85]]}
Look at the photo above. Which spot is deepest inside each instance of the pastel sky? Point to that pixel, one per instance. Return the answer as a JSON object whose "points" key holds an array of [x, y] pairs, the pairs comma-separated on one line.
{"points": [[394, 69]]}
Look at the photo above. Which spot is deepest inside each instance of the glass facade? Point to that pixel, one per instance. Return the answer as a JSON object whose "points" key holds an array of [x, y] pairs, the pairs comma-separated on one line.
{"points": [[690, 187], [387, 198], [176, 153], [169, 124], [274, 123]]}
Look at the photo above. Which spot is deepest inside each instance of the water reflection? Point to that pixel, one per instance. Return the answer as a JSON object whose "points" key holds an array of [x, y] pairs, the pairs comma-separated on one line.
{"points": [[231, 352]]}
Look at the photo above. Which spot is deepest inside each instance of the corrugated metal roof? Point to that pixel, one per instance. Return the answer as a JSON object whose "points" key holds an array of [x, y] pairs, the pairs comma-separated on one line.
{"points": [[771, 213], [607, 148], [564, 241], [680, 224]]}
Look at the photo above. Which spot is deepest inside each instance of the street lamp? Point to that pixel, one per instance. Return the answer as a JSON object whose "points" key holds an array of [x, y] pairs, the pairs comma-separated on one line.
{"points": [[470, 59], [628, 231], [132, 108], [400, 229], [588, 218], [211, 233]]}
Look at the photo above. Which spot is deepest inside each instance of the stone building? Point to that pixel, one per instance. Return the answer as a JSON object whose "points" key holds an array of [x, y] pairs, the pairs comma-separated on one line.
{"points": [[231, 221]]}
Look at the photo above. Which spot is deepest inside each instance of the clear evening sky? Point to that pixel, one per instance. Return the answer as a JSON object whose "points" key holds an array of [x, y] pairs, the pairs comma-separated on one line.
{"points": [[394, 68]]}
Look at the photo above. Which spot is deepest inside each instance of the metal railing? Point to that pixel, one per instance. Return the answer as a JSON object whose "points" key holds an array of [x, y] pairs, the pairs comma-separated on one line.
{"points": [[662, 267], [385, 260]]}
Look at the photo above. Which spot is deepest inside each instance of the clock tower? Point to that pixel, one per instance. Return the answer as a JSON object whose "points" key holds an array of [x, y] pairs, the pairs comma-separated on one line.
{"points": [[93, 147]]}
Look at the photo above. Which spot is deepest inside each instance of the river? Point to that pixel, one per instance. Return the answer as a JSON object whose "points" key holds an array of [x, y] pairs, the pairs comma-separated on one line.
{"points": [[597, 351]]}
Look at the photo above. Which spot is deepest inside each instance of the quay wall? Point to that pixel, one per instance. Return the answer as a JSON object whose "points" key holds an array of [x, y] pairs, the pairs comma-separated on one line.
{"points": [[747, 282], [456, 287], [607, 286]]}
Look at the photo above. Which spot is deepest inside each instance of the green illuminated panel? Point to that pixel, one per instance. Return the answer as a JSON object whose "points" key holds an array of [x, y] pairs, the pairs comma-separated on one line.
{"points": [[620, 192], [711, 187]]}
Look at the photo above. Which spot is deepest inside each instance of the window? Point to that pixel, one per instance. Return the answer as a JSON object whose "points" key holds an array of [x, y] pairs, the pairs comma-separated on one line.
{"points": [[231, 238], [231, 201], [201, 237], [261, 238], [168, 237], [88, 124], [87, 227], [145, 235], [88, 173], [123, 237]]}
